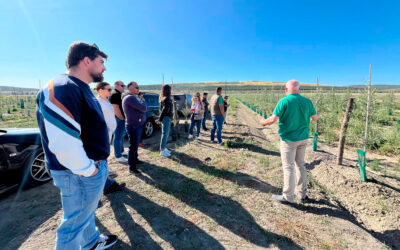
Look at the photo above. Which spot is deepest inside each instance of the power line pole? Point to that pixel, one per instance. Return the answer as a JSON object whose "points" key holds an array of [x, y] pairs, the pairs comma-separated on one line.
{"points": [[317, 104], [368, 109]]}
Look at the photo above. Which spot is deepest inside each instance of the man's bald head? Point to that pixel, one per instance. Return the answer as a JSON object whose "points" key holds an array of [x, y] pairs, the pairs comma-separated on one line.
{"points": [[292, 86]]}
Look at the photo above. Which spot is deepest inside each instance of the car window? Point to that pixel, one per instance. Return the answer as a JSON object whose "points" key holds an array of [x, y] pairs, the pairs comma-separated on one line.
{"points": [[151, 100], [177, 98]]}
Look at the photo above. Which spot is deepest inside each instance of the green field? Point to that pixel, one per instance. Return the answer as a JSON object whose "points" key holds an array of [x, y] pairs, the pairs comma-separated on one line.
{"points": [[15, 115], [384, 129], [330, 102]]}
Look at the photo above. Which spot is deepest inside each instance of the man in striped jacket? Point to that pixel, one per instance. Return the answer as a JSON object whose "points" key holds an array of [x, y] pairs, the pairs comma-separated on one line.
{"points": [[76, 145]]}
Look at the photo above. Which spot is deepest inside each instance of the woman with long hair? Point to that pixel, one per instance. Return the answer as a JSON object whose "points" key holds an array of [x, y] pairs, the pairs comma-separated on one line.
{"points": [[166, 113], [197, 113], [104, 91]]}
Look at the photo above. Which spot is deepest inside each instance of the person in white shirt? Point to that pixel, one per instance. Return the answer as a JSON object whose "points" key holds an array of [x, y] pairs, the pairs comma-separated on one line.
{"points": [[104, 91]]}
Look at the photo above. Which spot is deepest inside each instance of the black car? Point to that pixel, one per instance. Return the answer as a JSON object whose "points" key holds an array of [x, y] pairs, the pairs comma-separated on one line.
{"points": [[152, 114], [183, 101], [21, 159]]}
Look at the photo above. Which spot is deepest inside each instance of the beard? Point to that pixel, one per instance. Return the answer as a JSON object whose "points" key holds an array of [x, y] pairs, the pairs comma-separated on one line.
{"points": [[97, 77]]}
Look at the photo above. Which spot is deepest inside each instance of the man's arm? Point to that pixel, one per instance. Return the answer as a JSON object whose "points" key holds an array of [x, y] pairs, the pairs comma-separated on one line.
{"points": [[271, 120], [118, 112], [60, 119], [135, 104], [221, 108], [314, 117]]}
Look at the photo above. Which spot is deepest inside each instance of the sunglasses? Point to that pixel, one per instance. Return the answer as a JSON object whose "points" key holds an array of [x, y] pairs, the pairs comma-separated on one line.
{"points": [[109, 90]]}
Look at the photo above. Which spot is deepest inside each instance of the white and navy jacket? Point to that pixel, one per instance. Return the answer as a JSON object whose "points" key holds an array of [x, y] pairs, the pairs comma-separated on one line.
{"points": [[72, 126]]}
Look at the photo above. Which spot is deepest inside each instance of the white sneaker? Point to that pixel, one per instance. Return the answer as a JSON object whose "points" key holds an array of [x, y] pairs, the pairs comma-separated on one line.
{"points": [[190, 136], [165, 153], [122, 160], [196, 138], [125, 154], [168, 151]]}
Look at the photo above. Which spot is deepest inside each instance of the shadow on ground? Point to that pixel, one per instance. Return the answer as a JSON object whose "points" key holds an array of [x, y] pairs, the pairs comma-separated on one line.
{"points": [[241, 179], [251, 145], [177, 231], [25, 212], [225, 211], [390, 238]]}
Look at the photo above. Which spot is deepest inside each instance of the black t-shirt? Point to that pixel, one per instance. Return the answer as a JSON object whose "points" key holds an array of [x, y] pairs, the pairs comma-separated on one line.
{"points": [[116, 98], [225, 106], [205, 105]]}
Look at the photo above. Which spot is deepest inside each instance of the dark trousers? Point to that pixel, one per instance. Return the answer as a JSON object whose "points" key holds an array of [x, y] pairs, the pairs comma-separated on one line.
{"points": [[203, 122], [135, 133]]}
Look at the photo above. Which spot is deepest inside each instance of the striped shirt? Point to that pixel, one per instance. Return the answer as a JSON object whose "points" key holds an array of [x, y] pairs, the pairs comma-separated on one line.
{"points": [[72, 126]]}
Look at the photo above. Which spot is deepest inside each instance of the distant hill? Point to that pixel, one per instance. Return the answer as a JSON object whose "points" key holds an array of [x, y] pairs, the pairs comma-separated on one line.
{"points": [[378, 86], [257, 86], [17, 89]]}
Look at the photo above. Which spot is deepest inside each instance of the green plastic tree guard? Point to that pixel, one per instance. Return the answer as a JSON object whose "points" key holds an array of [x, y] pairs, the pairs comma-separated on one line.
{"points": [[390, 112], [315, 141], [361, 162]]}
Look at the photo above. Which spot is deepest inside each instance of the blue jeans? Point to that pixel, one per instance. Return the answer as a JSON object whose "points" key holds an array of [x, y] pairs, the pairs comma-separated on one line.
{"points": [[135, 133], [198, 125], [80, 197], [203, 122], [119, 135], [217, 122], [166, 125]]}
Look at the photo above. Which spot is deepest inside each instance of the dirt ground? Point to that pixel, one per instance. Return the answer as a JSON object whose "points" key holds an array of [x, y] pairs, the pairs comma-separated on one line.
{"points": [[208, 196]]}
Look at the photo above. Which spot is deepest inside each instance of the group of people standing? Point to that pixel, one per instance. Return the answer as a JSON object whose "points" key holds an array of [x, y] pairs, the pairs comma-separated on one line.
{"points": [[77, 129], [124, 113], [199, 114]]}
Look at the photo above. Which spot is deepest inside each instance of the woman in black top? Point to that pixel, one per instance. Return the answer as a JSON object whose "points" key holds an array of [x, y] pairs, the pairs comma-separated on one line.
{"points": [[166, 113]]}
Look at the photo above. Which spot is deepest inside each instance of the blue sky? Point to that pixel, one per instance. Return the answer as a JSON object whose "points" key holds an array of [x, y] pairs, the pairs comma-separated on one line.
{"points": [[197, 41]]}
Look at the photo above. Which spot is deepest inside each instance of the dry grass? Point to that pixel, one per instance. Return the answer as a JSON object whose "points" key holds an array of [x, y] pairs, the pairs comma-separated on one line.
{"points": [[205, 196]]}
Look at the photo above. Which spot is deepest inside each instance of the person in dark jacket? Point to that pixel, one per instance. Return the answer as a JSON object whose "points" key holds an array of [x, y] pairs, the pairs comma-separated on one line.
{"points": [[205, 104], [166, 113], [76, 144], [135, 110]]}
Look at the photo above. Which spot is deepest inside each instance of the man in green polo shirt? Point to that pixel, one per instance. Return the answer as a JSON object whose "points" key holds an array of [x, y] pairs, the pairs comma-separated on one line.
{"points": [[294, 112]]}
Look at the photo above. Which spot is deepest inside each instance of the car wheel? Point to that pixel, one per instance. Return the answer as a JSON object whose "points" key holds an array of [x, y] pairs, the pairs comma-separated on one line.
{"points": [[148, 128], [36, 171]]}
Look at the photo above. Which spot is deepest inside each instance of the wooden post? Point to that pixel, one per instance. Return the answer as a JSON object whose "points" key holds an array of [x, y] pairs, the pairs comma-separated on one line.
{"points": [[176, 119], [368, 107], [316, 104], [343, 130]]}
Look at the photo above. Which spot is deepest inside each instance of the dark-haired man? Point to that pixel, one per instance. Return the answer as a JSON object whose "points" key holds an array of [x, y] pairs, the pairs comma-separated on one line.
{"points": [[120, 131], [135, 109], [205, 104], [217, 114], [76, 144]]}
